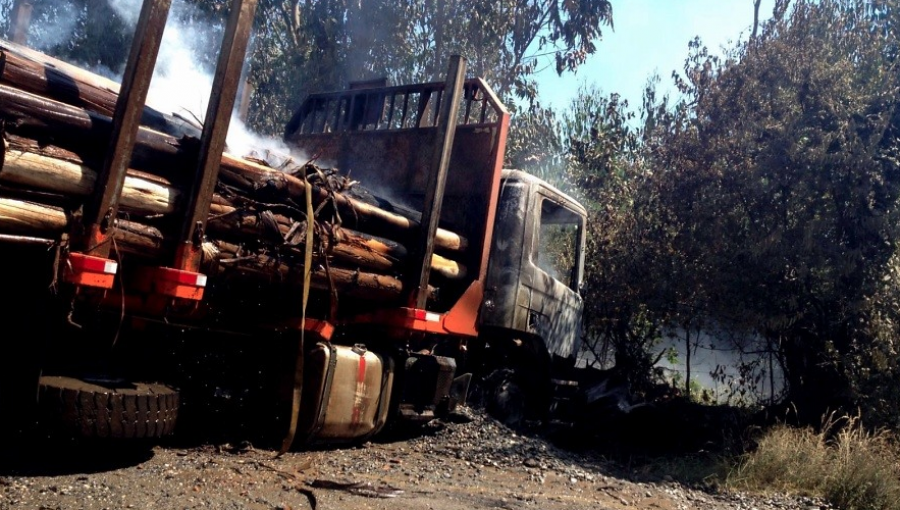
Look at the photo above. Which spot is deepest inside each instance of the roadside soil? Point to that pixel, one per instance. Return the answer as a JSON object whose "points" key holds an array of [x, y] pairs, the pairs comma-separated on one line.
{"points": [[476, 464]]}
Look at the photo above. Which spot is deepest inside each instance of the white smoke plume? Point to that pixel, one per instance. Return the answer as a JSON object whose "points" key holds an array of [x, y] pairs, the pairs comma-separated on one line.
{"points": [[182, 83], [58, 30]]}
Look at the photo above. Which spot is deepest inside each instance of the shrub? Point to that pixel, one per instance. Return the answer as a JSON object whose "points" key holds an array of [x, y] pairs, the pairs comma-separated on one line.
{"points": [[855, 469]]}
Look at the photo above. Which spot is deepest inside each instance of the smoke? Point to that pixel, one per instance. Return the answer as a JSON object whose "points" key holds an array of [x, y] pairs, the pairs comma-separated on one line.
{"points": [[182, 80], [729, 366], [55, 30]]}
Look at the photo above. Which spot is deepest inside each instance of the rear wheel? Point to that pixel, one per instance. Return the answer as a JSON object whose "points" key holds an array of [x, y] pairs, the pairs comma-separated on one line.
{"points": [[102, 409]]}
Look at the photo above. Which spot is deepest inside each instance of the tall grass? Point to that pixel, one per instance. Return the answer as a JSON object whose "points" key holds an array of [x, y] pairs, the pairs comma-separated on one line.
{"points": [[854, 469]]}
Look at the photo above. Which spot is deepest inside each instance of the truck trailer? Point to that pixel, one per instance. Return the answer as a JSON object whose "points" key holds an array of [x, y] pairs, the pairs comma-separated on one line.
{"points": [[374, 275]]}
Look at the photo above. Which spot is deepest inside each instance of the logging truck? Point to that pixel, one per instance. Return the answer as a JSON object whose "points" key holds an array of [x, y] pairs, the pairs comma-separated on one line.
{"points": [[376, 275]]}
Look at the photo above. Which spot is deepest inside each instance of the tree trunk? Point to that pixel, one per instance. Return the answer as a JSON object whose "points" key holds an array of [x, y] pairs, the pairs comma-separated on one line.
{"points": [[87, 134], [49, 174], [26, 218], [345, 245], [229, 260], [222, 259], [143, 196], [257, 179], [687, 361], [44, 76], [76, 130]]}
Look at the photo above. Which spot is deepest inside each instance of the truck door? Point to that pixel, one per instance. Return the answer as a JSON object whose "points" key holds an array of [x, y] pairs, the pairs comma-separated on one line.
{"points": [[557, 262]]}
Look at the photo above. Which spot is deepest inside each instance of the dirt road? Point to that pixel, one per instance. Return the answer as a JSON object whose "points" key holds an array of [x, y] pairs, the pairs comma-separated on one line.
{"points": [[474, 465]]}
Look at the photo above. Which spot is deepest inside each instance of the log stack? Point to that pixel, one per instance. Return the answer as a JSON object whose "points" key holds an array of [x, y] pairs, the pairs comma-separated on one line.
{"points": [[55, 121]]}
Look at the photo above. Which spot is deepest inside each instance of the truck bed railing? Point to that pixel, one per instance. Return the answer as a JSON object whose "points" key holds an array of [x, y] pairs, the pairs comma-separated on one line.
{"points": [[392, 108], [387, 138]]}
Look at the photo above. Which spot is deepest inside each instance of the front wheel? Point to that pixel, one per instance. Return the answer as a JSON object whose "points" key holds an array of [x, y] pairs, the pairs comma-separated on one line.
{"points": [[503, 397]]}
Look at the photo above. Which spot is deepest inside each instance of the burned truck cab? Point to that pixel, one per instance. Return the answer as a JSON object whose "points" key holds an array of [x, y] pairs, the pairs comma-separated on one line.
{"points": [[532, 299]]}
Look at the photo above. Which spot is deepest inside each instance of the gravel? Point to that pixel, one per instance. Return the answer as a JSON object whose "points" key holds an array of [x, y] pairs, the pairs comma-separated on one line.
{"points": [[478, 464]]}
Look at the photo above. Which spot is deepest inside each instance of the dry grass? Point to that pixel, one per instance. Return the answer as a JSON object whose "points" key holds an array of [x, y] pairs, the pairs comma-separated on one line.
{"points": [[853, 468]]}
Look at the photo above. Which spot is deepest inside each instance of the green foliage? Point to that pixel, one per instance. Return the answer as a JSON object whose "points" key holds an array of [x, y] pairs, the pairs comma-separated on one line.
{"points": [[303, 47], [6, 7], [84, 31], [312, 46], [696, 393], [536, 146], [764, 200], [604, 164]]}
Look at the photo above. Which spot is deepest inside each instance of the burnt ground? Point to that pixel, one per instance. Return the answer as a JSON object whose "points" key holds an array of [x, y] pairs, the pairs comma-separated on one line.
{"points": [[479, 464]]}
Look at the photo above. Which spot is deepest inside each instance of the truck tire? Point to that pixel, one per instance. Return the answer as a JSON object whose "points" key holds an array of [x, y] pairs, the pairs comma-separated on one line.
{"points": [[505, 399], [77, 408]]}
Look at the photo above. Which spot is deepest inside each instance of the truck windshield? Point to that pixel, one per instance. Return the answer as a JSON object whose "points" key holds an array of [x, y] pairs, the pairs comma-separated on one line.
{"points": [[558, 246]]}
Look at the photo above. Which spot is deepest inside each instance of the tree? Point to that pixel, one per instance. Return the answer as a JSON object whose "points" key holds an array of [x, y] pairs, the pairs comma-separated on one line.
{"points": [[605, 168], [779, 174], [311, 46]]}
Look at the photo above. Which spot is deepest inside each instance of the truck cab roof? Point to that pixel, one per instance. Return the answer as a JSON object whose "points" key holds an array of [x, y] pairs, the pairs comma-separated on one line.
{"points": [[562, 198]]}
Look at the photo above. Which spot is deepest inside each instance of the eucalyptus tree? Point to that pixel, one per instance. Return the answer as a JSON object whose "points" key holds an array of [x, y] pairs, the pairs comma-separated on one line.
{"points": [[781, 164]]}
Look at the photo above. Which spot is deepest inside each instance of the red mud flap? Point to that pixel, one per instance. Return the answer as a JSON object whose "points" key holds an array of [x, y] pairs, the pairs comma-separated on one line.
{"points": [[89, 271], [173, 283]]}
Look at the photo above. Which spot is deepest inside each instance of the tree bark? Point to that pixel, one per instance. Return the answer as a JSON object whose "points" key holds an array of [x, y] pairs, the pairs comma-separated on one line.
{"points": [[346, 245], [26, 218], [257, 179], [44, 76], [87, 134], [147, 195], [229, 260], [79, 131], [27, 169]]}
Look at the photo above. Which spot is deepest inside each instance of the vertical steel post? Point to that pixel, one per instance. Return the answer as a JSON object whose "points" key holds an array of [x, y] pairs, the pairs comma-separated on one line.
{"points": [[101, 208], [21, 21], [215, 128], [417, 283]]}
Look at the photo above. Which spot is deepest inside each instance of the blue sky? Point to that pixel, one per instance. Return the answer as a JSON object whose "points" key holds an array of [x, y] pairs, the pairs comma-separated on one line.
{"points": [[650, 36]]}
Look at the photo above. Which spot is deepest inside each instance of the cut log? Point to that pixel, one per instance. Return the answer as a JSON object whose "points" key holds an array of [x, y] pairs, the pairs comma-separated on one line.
{"points": [[30, 219], [83, 76], [51, 151], [450, 269], [158, 153], [143, 196], [49, 174], [26, 240], [45, 76], [349, 247], [24, 218], [255, 179], [38, 197], [225, 259], [87, 134], [146, 194], [228, 260], [138, 239]]}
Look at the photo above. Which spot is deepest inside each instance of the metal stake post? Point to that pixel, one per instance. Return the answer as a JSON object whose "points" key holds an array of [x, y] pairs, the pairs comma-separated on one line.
{"points": [[215, 128], [100, 211], [417, 284]]}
